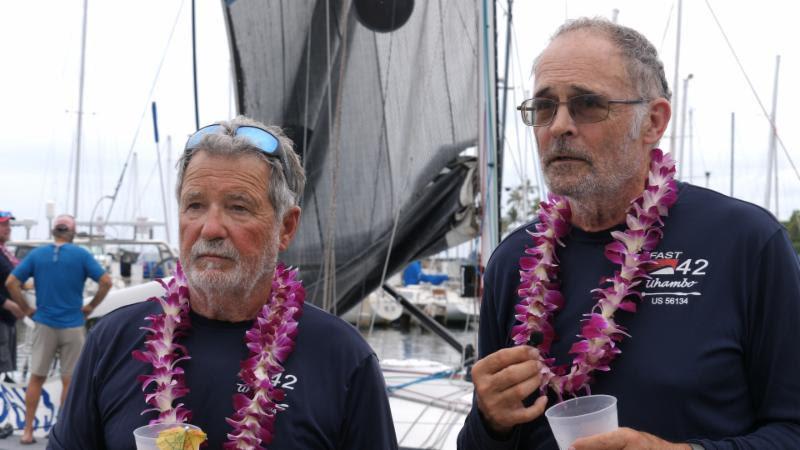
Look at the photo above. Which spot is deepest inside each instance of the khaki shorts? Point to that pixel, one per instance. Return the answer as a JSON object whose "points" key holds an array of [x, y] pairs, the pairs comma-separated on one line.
{"points": [[46, 340]]}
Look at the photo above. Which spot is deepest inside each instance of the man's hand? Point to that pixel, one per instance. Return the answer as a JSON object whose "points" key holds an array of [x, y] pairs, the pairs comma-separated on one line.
{"points": [[12, 307], [14, 287], [87, 309], [628, 439], [502, 381]]}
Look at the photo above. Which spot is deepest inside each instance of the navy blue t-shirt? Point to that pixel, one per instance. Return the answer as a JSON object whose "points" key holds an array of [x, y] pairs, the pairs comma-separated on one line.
{"points": [[713, 355], [5, 270], [335, 392]]}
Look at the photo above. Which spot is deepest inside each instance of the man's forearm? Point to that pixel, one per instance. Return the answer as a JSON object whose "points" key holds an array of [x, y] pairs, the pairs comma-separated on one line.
{"points": [[11, 306], [102, 290], [14, 288]]}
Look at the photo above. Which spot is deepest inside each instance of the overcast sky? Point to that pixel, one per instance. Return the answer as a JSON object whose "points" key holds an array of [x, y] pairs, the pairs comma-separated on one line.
{"points": [[133, 57]]}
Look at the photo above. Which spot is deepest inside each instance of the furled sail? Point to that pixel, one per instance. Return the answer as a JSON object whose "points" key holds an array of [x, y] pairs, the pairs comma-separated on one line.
{"points": [[381, 99]]}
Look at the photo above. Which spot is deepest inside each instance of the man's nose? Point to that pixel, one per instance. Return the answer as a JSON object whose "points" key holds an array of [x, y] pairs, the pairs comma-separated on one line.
{"points": [[214, 224], [563, 123]]}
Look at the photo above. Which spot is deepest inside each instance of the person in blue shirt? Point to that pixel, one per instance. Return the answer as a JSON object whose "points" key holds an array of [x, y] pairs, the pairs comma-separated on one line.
{"points": [[413, 274], [60, 271]]}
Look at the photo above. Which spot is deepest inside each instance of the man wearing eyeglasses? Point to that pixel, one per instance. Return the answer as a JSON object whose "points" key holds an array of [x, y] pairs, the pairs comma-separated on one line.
{"points": [[60, 270], [701, 351], [238, 185]]}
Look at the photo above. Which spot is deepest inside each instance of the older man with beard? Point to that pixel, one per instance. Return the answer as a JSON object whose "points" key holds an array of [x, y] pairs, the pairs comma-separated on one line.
{"points": [[693, 325], [249, 363]]}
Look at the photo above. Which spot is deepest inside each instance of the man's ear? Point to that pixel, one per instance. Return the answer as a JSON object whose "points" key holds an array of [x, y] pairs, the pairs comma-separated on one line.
{"points": [[291, 220], [658, 118]]}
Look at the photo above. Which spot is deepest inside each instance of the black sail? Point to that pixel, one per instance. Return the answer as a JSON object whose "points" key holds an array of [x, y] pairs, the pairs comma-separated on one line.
{"points": [[381, 104]]}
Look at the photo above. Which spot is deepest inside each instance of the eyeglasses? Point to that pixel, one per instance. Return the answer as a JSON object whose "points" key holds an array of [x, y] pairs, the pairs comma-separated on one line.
{"points": [[6, 215], [586, 108], [259, 138]]}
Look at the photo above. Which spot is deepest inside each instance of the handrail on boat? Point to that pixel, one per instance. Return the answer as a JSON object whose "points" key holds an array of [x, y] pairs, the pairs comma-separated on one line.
{"points": [[467, 352]]}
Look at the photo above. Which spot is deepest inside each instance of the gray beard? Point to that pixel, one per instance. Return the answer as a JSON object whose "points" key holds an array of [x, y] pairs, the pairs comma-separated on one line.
{"points": [[593, 186], [238, 282]]}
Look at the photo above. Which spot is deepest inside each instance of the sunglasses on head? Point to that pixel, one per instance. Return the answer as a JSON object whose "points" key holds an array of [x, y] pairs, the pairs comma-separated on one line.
{"points": [[257, 137]]}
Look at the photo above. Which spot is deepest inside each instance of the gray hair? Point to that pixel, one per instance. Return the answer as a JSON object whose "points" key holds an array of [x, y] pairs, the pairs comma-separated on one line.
{"points": [[281, 195], [645, 69]]}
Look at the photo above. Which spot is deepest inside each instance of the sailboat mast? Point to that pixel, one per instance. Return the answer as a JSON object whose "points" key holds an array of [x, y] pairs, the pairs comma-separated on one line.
{"points": [[772, 153], [80, 110], [194, 70], [675, 81], [502, 133], [487, 133], [161, 172], [681, 154]]}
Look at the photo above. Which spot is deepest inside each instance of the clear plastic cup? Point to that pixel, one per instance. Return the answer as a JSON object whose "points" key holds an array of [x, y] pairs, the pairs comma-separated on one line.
{"points": [[580, 417], [146, 436]]}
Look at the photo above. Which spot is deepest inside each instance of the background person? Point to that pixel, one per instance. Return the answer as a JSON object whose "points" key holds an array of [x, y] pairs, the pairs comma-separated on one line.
{"points": [[9, 313], [60, 270]]}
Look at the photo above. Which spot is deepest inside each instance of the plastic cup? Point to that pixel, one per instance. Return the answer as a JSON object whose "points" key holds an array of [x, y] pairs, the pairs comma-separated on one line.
{"points": [[582, 416], [146, 436]]}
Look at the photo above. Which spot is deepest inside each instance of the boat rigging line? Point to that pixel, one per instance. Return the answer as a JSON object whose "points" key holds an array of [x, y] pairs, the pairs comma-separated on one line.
{"points": [[753, 90], [144, 112], [80, 108], [194, 80]]}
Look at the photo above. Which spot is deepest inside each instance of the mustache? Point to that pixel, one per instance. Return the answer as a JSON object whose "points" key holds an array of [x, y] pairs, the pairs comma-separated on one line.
{"points": [[561, 149], [218, 247]]}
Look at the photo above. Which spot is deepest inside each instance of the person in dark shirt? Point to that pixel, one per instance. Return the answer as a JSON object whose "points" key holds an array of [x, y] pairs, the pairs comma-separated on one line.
{"points": [[249, 363], [9, 313], [685, 302]]}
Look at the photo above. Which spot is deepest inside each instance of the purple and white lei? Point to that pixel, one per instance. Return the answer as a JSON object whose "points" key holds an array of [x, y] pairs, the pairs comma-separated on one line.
{"points": [[539, 286], [270, 341]]}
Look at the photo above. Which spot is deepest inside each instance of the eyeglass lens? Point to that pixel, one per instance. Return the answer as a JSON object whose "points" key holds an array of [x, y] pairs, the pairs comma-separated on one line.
{"points": [[587, 108], [195, 139], [260, 138]]}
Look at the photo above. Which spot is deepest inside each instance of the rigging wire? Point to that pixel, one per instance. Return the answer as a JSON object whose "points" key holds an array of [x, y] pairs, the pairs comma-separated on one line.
{"points": [[516, 157], [753, 90], [666, 28], [145, 110], [524, 147], [328, 271], [384, 94], [138, 207]]}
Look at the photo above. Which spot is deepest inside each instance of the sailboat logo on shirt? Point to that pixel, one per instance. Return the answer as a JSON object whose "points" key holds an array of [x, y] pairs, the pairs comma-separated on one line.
{"points": [[673, 280], [662, 267]]}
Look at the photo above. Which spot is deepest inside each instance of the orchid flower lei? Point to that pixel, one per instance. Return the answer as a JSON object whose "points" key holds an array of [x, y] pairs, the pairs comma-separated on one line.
{"points": [[539, 286], [270, 341]]}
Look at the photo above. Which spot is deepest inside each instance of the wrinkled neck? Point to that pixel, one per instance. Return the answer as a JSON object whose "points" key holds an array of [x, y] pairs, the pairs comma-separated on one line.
{"points": [[228, 306]]}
